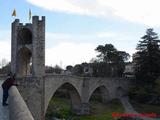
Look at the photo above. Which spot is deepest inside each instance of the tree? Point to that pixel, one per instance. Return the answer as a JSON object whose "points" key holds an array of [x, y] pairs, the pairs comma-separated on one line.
{"points": [[147, 60], [69, 68], [78, 70], [3, 62], [49, 69], [101, 69], [57, 69], [6, 69], [110, 55], [106, 52]]}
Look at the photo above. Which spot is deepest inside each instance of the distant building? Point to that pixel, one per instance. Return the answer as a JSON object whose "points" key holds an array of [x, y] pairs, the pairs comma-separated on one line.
{"points": [[129, 70], [87, 69], [66, 72]]}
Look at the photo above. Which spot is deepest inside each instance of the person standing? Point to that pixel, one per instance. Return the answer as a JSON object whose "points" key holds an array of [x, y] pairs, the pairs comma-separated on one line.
{"points": [[6, 85]]}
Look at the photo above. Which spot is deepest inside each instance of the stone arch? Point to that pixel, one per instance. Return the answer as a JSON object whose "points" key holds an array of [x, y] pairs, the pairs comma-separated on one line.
{"points": [[74, 96], [24, 36], [23, 62], [104, 92]]}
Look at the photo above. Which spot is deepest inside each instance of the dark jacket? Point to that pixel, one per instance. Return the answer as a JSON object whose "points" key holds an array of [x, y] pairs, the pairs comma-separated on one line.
{"points": [[8, 83]]}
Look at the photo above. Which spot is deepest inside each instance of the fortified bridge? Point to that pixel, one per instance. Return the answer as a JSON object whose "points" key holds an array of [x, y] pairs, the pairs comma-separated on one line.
{"points": [[35, 90]]}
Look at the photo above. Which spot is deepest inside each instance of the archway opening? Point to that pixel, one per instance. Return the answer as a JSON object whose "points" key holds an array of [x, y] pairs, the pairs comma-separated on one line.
{"points": [[24, 62], [24, 37], [64, 103], [98, 99], [102, 105], [100, 94]]}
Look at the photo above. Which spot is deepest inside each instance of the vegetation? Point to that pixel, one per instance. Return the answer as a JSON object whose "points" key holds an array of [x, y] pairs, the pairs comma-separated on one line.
{"points": [[60, 108], [78, 70], [109, 63], [109, 54], [148, 59], [5, 69], [56, 69], [69, 68], [110, 59], [147, 69]]}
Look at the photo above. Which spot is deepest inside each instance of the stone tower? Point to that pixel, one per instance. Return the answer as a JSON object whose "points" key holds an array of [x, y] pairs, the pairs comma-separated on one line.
{"points": [[28, 47], [28, 62]]}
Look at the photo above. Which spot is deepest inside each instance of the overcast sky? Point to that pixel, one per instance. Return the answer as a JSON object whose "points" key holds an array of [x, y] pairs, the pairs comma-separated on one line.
{"points": [[74, 28]]}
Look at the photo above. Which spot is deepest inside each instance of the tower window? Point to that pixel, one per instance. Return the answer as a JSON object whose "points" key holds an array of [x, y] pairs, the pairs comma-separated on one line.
{"points": [[24, 36]]}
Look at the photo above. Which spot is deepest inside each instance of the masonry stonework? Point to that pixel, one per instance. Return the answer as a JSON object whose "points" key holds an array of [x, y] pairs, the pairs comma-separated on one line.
{"points": [[28, 62], [37, 88]]}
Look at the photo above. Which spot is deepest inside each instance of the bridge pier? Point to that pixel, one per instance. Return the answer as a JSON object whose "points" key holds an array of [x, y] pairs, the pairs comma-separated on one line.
{"points": [[83, 109]]}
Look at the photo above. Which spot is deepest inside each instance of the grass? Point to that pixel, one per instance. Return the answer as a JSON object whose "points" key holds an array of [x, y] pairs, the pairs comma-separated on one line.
{"points": [[60, 108]]}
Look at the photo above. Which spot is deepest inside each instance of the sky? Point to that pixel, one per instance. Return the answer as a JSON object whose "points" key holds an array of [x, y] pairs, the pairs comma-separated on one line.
{"points": [[74, 28]]}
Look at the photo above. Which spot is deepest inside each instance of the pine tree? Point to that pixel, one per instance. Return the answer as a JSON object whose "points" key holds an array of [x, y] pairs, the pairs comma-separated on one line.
{"points": [[147, 68], [110, 56]]}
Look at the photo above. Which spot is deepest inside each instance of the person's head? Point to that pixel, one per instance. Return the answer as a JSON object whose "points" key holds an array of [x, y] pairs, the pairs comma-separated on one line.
{"points": [[9, 74]]}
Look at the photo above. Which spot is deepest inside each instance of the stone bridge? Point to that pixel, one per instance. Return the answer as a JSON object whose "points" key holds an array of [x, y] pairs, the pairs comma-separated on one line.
{"points": [[37, 92], [82, 88], [37, 88], [34, 101]]}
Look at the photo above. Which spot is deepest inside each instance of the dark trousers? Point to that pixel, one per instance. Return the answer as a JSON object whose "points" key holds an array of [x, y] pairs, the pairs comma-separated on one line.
{"points": [[5, 95]]}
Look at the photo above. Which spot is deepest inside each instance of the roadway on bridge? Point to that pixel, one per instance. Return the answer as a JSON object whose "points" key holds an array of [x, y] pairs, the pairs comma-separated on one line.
{"points": [[4, 113]]}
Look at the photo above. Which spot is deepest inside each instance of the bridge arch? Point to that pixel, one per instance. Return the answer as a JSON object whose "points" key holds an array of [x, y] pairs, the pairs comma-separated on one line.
{"points": [[24, 61], [72, 91], [24, 36], [104, 93]]}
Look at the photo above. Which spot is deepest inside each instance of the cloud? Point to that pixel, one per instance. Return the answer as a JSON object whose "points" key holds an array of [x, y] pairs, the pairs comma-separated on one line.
{"points": [[5, 45], [58, 36], [67, 49], [72, 36], [5, 49], [54, 38], [140, 11], [5, 35], [69, 53], [105, 34]]}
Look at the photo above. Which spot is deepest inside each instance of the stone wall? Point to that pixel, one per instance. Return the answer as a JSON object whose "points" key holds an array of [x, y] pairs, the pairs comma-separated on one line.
{"points": [[84, 87], [3, 76], [28, 50], [18, 109]]}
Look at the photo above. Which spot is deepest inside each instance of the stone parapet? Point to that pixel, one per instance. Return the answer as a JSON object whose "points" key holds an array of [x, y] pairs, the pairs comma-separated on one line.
{"points": [[18, 109]]}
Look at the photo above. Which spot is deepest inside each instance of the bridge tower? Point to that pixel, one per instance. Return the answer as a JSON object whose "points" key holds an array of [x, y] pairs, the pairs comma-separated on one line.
{"points": [[28, 62]]}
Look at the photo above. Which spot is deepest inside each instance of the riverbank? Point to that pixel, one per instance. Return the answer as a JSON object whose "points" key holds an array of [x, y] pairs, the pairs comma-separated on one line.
{"points": [[60, 108]]}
